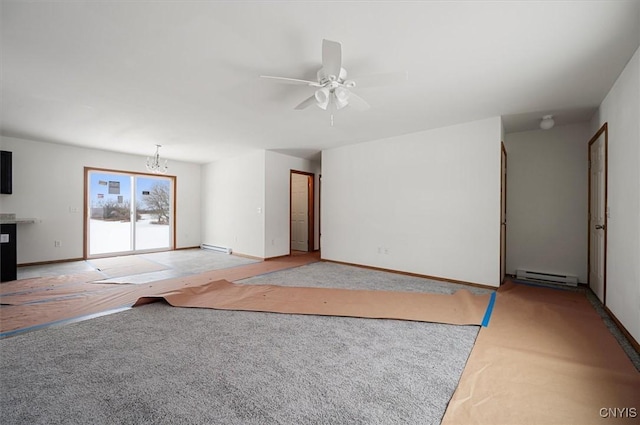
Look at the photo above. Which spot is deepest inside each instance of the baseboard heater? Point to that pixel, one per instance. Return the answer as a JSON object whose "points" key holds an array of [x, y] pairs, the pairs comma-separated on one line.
{"points": [[561, 279], [216, 248]]}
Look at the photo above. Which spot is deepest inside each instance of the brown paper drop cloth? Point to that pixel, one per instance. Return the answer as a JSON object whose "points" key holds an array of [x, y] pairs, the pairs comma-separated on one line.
{"points": [[546, 358], [461, 308]]}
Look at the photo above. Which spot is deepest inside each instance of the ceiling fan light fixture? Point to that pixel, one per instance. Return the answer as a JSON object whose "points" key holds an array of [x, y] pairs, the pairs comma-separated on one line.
{"points": [[332, 89], [322, 95], [342, 94], [322, 98], [340, 102], [547, 122]]}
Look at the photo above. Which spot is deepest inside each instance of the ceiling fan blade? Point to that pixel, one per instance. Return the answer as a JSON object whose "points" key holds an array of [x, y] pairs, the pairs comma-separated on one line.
{"points": [[377, 80], [331, 57], [292, 81], [307, 102], [357, 102]]}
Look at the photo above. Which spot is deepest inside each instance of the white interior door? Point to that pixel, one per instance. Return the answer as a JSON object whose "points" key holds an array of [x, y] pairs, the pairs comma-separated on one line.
{"points": [[299, 212], [597, 215]]}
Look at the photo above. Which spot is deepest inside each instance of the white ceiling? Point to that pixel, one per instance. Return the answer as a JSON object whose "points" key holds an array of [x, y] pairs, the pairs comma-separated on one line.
{"points": [[126, 75]]}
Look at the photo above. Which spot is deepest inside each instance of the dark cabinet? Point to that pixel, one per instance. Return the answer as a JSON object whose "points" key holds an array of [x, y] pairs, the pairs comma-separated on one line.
{"points": [[8, 253], [6, 172]]}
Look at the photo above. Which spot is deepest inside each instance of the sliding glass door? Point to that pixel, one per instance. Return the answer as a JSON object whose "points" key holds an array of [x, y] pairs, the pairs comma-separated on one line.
{"points": [[153, 228], [128, 212]]}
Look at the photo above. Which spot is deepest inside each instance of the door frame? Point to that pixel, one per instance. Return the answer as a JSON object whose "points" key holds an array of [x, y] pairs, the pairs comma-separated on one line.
{"points": [[86, 212], [503, 219], [310, 208], [604, 129], [319, 212]]}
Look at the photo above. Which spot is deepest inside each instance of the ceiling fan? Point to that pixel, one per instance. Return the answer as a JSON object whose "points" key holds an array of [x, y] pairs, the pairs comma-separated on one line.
{"points": [[333, 89]]}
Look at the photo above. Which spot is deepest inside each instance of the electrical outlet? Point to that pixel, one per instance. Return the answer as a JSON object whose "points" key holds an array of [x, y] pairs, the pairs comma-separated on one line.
{"points": [[57, 244], [73, 209]]}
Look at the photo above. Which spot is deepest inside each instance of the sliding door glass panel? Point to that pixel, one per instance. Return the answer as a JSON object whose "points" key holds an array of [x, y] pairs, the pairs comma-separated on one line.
{"points": [[129, 213], [153, 204], [110, 212]]}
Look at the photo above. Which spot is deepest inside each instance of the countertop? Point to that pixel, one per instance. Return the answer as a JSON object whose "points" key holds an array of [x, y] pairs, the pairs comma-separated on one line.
{"points": [[18, 221]]}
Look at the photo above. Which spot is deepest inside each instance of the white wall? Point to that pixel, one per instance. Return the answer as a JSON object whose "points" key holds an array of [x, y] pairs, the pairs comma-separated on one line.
{"points": [[426, 203], [277, 200], [621, 110], [233, 194], [246, 202], [48, 180], [547, 185]]}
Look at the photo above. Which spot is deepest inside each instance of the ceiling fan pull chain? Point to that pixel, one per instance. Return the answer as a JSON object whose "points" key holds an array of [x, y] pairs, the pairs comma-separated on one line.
{"points": [[331, 120]]}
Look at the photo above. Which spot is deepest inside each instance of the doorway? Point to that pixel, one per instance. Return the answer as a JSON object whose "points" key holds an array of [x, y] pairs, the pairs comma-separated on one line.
{"points": [[301, 217], [598, 209], [127, 213]]}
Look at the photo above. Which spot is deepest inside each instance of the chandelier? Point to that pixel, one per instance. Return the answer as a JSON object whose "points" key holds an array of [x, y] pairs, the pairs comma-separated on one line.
{"points": [[154, 165]]}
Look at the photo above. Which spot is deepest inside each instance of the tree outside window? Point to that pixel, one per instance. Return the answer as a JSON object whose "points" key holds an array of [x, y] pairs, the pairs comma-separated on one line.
{"points": [[157, 202]]}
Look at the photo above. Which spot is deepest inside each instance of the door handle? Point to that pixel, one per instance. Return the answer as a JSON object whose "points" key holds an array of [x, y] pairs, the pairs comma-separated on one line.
{"points": [[599, 226]]}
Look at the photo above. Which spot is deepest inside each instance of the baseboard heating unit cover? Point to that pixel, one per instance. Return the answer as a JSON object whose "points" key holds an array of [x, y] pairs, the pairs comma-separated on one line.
{"points": [[561, 279], [216, 248]]}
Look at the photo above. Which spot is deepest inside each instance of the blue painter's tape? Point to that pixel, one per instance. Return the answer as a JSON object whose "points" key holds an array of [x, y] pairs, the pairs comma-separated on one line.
{"points": [[487, 313]]}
